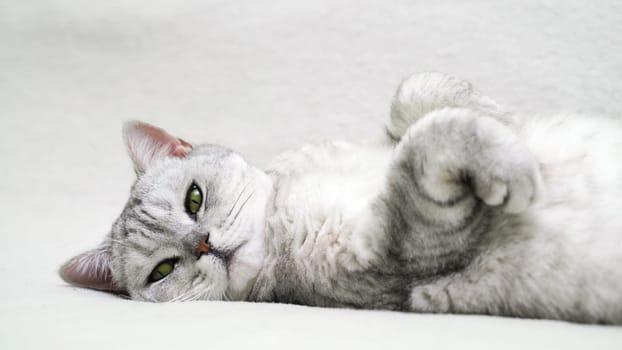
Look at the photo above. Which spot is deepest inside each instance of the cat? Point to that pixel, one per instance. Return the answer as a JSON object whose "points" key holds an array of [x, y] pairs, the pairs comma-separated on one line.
{"points": [[466, 208]]}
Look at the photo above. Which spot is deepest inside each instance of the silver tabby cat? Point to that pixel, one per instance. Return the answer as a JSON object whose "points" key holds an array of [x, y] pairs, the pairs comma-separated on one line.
{"points": [[466, 209]]}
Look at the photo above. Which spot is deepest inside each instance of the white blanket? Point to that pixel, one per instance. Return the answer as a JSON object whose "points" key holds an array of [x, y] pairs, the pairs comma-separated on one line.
{"points": [[260, 77]]}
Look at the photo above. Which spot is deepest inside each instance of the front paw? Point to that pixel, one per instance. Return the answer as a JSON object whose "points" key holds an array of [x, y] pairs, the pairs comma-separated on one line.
{"points": [[454, 147], [515, 192], [504, 173]]}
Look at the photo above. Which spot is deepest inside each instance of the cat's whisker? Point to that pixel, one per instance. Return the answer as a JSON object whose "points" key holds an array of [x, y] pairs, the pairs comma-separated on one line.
{"points": [[180, 296], [193, 290], [232, 220], [226, 296], [237, 199], [189, 295], [195, 295]]}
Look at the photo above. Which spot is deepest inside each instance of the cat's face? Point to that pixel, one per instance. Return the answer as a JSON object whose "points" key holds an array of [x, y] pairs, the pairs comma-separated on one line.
{"points": [[192, 228], [172, 210]]}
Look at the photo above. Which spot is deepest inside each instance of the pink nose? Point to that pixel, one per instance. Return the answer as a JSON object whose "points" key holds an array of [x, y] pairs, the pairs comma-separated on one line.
{"points": [[203, 247]]}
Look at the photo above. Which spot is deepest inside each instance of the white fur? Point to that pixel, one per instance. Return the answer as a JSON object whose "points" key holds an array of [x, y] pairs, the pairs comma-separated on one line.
{"points": [[567, 248], [320, 226]]}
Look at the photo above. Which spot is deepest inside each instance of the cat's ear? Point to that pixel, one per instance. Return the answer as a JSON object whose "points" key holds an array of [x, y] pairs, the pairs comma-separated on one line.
{"points": [[146, 144], [90, 269]]}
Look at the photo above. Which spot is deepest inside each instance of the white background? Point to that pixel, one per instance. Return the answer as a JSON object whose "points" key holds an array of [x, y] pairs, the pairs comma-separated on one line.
{"points": [[260, 77]]}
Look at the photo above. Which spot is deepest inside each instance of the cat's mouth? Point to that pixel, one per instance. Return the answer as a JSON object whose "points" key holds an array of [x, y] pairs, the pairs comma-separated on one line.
{"points": [[205, 247], [225, 255]]}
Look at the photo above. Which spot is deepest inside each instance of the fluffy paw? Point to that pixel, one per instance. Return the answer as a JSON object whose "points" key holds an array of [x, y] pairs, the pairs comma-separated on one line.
{"points": [[430, 299], [506, 175], [455, 146], [515, 192], [423, 93]]}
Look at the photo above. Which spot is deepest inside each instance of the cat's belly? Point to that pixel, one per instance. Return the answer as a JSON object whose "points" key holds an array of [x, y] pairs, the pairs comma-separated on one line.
{"points": [[322, 192], [560, 258], [560, 255], [581, 163], [327, 182]]}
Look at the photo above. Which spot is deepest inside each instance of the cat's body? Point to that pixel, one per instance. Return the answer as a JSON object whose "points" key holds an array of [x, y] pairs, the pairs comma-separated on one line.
{"points": [[561, 258], [468, 209]]}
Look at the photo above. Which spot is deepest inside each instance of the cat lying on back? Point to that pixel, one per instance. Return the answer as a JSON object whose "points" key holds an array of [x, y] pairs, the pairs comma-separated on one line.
{"points": [[468, 209]]}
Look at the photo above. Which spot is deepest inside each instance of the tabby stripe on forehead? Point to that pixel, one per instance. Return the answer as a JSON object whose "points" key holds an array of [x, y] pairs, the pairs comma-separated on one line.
{"points": [[147, 214], [137, 225], [143, 234], [140, 248], [164, 205], [151, 226]]}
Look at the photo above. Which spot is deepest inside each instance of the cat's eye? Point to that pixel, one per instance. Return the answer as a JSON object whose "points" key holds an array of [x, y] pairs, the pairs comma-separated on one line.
{"points": [[194, 199], [162, 270]]}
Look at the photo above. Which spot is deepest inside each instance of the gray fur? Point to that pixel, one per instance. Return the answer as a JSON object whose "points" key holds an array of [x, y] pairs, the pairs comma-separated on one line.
{"points": [[464, 213]]}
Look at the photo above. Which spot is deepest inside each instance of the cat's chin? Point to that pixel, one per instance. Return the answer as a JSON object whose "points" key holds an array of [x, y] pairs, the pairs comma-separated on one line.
{"points": [[244, 266]]}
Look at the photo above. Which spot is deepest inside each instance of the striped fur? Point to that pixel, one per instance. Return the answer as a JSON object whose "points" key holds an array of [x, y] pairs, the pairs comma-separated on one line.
{"points": [[466, 209]]}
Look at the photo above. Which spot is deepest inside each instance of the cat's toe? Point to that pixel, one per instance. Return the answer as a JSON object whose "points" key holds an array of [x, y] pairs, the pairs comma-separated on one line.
{"points": [[511, 185], [493, 194], [515, 194], [523, 192]]}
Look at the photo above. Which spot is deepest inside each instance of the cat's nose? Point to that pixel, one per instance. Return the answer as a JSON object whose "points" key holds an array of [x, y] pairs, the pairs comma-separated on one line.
{"points": [[203, 247]]}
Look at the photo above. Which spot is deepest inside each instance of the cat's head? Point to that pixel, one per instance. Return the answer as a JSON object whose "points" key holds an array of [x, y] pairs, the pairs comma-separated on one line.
{"points": [[191, 229]]}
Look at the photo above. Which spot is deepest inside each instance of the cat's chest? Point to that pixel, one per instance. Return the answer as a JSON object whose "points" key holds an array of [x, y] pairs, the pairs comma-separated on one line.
{"points": [[320, 189], [320, 193]]}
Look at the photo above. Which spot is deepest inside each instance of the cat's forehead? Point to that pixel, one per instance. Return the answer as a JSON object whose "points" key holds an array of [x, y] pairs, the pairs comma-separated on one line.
{"points": [[204, 163]]}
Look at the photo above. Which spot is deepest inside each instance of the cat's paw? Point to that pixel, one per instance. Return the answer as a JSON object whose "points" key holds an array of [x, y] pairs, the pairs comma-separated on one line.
{"points": [[430, 299], [515, 192], [505, 174], [423, 93], [454, 147]]}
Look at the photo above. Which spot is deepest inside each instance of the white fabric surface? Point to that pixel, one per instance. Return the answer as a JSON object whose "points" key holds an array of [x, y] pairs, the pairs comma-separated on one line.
{"points": [[260, 77]]}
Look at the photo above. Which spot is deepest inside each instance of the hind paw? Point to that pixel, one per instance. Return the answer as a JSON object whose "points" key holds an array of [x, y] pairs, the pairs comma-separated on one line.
{"points": [[423, 93]]}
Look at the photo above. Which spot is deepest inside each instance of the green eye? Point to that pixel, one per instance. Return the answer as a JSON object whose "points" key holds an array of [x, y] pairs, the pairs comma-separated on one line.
{"points": [[194, 199], [162, 270]]}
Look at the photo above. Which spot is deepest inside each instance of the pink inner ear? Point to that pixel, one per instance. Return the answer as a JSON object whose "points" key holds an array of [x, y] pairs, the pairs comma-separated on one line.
{"points": [[74, 274], [162, 140], [90, 270], [182, 148], [147, 144]]}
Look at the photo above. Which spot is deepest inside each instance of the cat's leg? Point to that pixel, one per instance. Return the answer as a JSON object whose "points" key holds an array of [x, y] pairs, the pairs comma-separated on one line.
{"points": [[450, 170], [423, 93]]}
